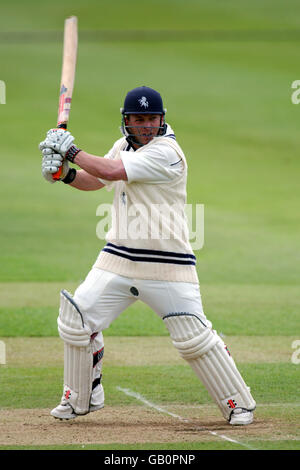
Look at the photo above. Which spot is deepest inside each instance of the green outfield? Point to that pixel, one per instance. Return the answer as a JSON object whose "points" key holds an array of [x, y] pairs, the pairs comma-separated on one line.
{"points": [[225, 71]]}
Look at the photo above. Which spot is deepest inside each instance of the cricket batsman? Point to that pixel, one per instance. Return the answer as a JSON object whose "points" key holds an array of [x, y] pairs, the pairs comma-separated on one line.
{"points": [[147, 170]]}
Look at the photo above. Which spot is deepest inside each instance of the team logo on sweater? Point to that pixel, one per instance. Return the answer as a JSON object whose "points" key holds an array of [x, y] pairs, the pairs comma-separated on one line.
{"points": [[123, 198], [143, 102]]}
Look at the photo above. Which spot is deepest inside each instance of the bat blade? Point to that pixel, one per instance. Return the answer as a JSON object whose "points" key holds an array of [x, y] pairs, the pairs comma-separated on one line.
{"points": [[67, 75], [68, 70]]}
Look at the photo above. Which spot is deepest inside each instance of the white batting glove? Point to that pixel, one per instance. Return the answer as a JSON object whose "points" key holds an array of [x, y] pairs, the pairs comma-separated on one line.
{"points": [[61, 141], [51, 163]]}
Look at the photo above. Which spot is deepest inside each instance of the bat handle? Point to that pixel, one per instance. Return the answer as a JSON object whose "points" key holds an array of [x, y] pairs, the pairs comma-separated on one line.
{"points": [[57, 175]]}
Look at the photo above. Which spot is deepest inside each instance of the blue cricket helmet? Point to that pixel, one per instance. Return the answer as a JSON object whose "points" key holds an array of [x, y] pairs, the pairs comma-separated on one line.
{"points": [[143, 100]]}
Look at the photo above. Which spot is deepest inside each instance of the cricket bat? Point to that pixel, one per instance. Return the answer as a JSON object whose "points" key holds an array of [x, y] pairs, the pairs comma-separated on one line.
{"points": [[67, 75]]}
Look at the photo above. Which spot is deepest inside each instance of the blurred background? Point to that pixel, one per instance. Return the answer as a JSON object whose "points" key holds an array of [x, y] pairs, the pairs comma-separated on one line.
{"points": [[225, 71]]}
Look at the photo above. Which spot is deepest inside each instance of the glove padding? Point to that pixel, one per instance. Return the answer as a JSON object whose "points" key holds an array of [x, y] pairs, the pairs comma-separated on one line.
{"points": [[59, 140], [51, 163]]}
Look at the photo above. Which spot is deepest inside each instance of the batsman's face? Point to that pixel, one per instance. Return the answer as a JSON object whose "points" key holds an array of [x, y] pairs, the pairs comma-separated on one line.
{"points": [[144, 126]]}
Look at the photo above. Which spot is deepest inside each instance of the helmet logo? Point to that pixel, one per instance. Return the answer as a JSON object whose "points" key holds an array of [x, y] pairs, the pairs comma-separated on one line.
{"points": [[143, 102]]}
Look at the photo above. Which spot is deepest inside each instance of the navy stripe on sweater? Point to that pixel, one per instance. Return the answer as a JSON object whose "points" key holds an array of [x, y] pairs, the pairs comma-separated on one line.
{"points": [[150, 256]]}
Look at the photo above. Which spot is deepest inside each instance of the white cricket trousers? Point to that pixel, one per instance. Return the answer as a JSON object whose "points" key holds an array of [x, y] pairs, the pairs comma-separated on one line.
{"points": [[103, 296]]}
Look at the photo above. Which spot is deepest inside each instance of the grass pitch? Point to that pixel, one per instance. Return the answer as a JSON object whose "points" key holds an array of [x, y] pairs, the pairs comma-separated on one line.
{"points": [[225, 73], [156, 403]]}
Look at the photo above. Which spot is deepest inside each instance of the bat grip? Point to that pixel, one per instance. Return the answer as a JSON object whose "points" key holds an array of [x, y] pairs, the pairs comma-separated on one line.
{"points": [[57, 175]]}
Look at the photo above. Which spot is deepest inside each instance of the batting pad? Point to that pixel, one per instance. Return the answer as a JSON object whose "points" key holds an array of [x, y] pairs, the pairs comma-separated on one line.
{"points": [[78, 357], [208, 356]]}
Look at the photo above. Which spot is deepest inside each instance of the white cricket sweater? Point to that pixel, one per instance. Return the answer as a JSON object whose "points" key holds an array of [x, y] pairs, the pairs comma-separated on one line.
{"points": [[149, 237]]}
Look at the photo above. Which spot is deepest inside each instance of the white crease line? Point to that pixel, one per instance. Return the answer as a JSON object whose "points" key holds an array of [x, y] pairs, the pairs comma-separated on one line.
{"points": [[144, 400], [149, 403]]}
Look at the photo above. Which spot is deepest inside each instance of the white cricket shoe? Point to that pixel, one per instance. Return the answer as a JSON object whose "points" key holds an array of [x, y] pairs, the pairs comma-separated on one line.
{"points": [[65, 411], [241, 417]]}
